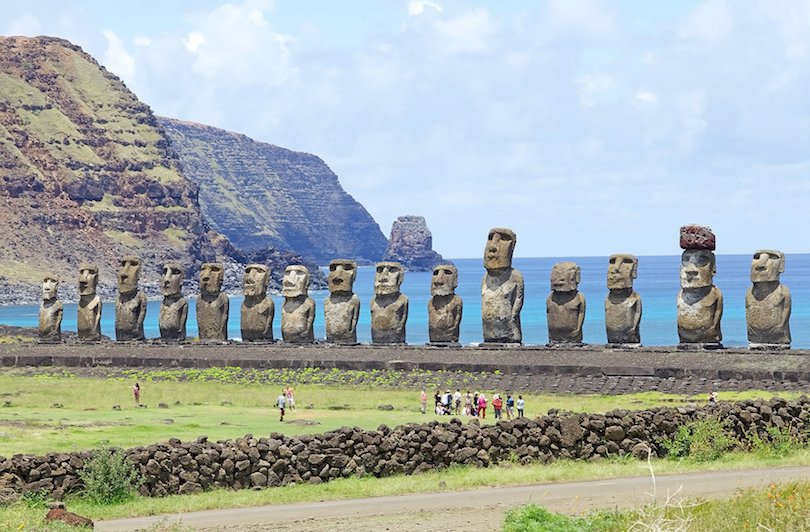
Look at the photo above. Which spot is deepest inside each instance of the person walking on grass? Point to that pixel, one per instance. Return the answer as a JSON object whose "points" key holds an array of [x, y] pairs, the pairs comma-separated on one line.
{"points": [[424, 400], [468, 404], [497, 405], [136, 391], [482, 406], [475, 405], [290, 398], [520, 404], [510, 406], [457, 401], [282, 402]]}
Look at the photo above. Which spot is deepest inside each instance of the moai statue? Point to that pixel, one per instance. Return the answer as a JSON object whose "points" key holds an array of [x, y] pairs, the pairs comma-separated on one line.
{"points": [[342, 308], [565, 306], [50, 312], [768, 303], [256, 319], [174, 307], [88, 318], [213, 304], [444, 307], [700, 303], [298, 310], [501, 289], [389, 307], [623, 304], [130, 307]]}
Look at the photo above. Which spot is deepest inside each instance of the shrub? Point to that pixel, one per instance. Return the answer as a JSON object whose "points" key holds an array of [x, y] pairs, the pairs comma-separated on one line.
{"points": [[702, 440], [109, 477], [775, 442], [534, 518]]}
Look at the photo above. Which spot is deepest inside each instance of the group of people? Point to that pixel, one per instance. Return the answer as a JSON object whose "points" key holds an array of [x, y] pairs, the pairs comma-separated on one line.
{"points": [[285, 401], [473, 404]]}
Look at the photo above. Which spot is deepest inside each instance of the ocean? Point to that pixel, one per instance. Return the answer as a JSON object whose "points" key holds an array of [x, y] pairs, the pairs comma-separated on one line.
{"points": [[657, 283]]}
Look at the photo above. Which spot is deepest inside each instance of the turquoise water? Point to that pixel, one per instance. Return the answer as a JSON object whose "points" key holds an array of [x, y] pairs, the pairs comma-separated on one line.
{"points": [[657, 283]]}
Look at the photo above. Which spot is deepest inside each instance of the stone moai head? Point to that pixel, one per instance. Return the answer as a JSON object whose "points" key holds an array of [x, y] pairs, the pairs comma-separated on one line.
{"points": [[697, 261], [342, 274], [129, 273], [171, 282], [622, 269], [50, 287], [88, 279], [565, 277], [388, 278], [211, 276], [767, 265], [445, 280], [499, 249], [254, 283], [296, 281]]}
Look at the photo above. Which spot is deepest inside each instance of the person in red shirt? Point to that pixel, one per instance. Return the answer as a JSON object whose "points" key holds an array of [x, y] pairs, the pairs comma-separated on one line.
{"points": [[482, 406], [497, 405]]}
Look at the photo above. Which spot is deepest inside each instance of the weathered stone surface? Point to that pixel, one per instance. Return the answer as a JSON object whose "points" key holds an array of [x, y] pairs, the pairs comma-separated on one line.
{"points": [[88, 318], [445, 307], [342, 308], [298, 310], [213, 304], [622, 304], [768, 302], [69, 518], [174, 307], [565, 306], [501, 289], [130, 305], [50, 310], [389, 307], [411, 244], [256, 317], [700, 303]]}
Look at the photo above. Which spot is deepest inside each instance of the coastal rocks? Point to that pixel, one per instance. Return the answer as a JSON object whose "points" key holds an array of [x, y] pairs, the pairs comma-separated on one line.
{"points": [[700, 303], [445, 307], [130, 305], [50, 311], [565, 306], [411, 244], [389, 308], [342, 308], [501, 289], [768, 302], [623, 304]]}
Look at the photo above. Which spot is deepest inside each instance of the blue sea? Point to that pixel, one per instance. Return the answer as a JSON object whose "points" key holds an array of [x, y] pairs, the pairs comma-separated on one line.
{"points": [[657, 283]]}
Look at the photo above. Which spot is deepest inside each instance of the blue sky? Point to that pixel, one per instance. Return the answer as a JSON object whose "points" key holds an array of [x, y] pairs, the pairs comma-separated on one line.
{"points": [[588, 127]]}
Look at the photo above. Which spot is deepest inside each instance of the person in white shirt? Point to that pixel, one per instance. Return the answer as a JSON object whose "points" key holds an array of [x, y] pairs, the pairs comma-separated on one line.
{"points": [[520, 404], [457, 401], [282, 402]]}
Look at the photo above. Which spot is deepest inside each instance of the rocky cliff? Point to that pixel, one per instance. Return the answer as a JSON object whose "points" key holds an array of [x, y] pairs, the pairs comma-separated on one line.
{"points": [[412, 244], [261, 195], [87, 174]]}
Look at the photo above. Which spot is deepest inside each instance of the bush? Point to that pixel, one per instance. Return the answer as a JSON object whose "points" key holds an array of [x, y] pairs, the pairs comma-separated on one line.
{"points": [[109, 477], [775, 442], [702, 440], [534, 518]]}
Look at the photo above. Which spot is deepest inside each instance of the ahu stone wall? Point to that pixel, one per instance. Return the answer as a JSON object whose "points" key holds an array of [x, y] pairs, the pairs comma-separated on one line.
{"points": [[249, 462]]}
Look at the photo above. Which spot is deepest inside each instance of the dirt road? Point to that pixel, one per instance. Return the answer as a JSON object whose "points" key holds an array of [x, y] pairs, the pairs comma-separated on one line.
{"points": [[471, 510]]}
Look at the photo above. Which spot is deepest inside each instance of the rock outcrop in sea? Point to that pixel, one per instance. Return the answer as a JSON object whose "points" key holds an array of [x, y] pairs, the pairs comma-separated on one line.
{"points": [[412, 244]]}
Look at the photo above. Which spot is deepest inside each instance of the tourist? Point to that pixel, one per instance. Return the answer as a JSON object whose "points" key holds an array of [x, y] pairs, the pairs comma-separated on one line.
{"points": [[475, 404], [482, 406], [713, 398], [424, 400], [290, 398], [510, 406], [282, 402], [457, 401], [497, 405], [136, 391], [437, 402], [520, 403], [468, 403], [447, 403]]}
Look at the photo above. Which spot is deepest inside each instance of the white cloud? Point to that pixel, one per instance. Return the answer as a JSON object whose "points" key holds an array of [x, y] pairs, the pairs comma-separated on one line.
{"points": [[26, 24], [141, 40], [193, 41], [417, 7], [116, 58]]}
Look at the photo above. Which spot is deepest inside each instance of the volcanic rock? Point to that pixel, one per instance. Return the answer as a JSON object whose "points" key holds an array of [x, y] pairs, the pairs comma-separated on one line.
{"points": [[412, 244]]}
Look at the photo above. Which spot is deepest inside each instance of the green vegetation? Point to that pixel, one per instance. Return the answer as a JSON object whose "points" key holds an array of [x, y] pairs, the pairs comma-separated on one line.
{"points": [[105, 204], [702, 440], [176, 236], [124, 237], [109, 477]]}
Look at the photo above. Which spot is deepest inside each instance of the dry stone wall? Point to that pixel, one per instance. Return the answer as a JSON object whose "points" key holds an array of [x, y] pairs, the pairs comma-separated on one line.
{"points": [[250, 462]]}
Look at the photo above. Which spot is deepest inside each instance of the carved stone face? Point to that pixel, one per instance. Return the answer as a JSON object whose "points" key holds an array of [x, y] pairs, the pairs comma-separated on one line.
{"points": [[622, 269], [499, 249], [128, 274], [255, 281], [171, 282], [88, 279], [296, 281], [766, 265], [388, 278], [342, 274], [697, 268], [50, 287], [211, 275], [445, 280], [565, 277]]}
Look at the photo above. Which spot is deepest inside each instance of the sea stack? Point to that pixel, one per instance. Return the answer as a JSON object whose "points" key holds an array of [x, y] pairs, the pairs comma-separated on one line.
{"points": [[411, 244]]}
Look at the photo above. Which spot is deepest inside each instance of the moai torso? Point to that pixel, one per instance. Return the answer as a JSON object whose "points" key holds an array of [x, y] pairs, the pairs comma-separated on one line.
{"points": [[341, 309], [174, 307], [623, 304], [389, 307], [50, 311], [445, 307], [257, 312], [130, 305], [212, 305], [298, 310], [88, 316], [565, 306], [700, 303], [501, 290], [768, 302]]}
